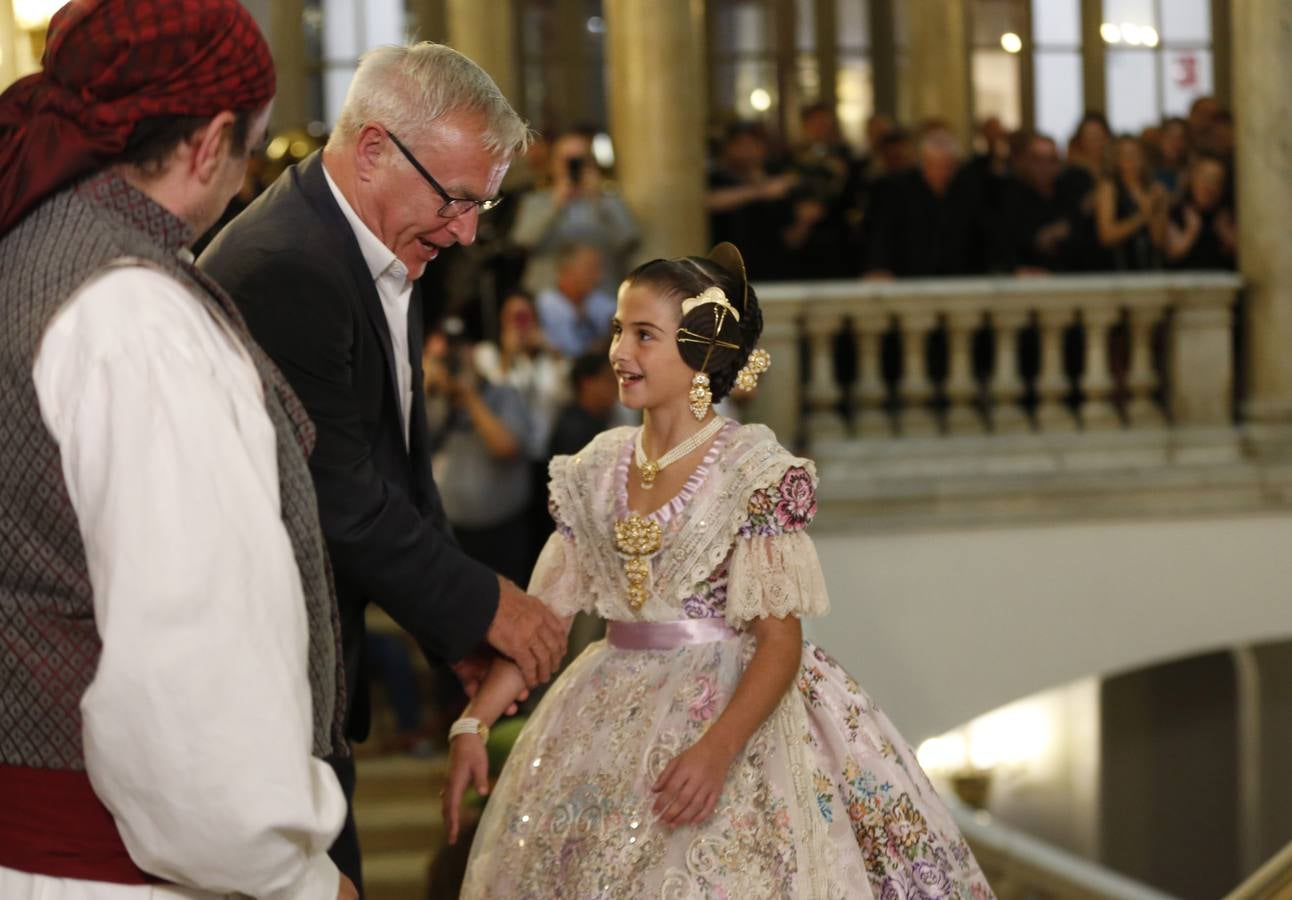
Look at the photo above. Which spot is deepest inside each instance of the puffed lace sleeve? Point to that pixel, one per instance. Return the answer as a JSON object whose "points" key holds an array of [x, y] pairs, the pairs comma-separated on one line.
{"points": [[556, 579], [774, 567]]}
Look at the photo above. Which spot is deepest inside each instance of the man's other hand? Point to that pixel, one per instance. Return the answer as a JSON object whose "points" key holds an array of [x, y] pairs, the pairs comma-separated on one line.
{"points": [[528, 632], [471, 671]]}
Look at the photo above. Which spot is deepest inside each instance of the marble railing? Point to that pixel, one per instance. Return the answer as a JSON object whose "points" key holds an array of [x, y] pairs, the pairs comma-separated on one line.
{"points": [[1272, 881], [884, 360], [1021, 867]]}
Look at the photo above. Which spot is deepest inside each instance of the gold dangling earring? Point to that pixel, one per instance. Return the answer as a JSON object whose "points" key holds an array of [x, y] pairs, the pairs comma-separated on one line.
{"points": [[701, 397]]}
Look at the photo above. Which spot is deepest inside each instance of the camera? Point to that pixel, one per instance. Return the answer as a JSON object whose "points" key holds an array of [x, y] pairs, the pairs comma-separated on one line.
{"points": [[575, 165]]}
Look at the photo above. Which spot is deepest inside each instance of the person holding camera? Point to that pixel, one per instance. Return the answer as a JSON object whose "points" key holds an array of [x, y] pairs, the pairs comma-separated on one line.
{"points": [[578, 208], [485, 436]]}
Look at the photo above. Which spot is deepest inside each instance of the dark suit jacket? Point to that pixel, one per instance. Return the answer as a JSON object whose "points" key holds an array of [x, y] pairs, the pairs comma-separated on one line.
{"points": [[293, 265]]}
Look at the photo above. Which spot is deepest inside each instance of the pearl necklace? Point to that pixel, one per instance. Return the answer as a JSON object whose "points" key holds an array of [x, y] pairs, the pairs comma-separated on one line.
{"points": [[650, 470]]}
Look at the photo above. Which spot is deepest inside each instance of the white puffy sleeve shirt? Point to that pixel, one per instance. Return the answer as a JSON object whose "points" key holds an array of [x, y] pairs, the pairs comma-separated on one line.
{"points": [[197, 724]]}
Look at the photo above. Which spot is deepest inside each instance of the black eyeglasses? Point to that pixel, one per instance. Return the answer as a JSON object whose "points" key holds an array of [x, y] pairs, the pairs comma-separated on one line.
{"points": [[453, 206]]}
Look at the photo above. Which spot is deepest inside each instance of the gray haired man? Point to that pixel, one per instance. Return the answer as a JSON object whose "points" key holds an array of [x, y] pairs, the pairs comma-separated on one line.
{"points": [[324, 266]]}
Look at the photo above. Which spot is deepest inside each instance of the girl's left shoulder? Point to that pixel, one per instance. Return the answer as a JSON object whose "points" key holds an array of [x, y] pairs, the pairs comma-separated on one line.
{"points": [[756, 457]]}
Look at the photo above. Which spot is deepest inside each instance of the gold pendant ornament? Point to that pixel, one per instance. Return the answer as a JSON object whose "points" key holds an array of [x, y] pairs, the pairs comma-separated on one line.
{"points": [[649, 469], [637, 538]]}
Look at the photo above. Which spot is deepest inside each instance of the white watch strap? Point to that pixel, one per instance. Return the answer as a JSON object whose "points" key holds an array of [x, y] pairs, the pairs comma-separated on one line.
{"points": [[468, 725]]}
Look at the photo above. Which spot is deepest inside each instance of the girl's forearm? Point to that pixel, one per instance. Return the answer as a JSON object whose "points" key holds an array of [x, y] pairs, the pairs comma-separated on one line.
{"points": [[499, 690], [502, 687], [769, 675]]}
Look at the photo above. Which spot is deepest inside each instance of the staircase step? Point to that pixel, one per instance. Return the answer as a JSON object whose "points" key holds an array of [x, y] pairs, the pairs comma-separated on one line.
{"points": [[397, 826], [396, 876], [400, 778]]}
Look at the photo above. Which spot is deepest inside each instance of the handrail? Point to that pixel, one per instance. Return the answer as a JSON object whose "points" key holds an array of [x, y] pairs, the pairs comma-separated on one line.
{"points": [[999, 355], [1272, 881], [1032, 864], [997, 286]]}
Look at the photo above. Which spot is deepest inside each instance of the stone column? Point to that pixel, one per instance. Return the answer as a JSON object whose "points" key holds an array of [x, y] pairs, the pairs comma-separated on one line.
{"points": [[431, 18], [826, 24], [1262, 39], [485, 30], [657, 119], [8, 46], [286, 35], [939, 68]]}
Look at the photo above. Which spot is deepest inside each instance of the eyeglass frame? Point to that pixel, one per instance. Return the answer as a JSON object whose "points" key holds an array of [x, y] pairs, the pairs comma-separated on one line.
{"points": [[445, 211]]}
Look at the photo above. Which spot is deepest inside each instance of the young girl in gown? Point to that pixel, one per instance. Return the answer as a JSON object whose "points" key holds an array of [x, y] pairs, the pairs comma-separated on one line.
{"points": [[703, 749]]}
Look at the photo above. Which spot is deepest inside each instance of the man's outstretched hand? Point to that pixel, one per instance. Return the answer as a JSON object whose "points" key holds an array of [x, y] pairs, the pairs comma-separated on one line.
{"points": [[471, 671], [525, 630]]}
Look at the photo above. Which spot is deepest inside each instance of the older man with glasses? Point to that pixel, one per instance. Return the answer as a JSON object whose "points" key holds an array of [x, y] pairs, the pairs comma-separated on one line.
{"points": [[324, 266]]}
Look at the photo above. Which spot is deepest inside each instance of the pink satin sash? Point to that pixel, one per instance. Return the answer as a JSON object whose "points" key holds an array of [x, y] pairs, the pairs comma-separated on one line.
{"points": [[667, 635]]}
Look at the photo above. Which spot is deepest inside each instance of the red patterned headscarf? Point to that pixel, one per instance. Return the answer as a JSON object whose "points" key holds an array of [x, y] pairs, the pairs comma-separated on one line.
{"points": [[108, 65]]}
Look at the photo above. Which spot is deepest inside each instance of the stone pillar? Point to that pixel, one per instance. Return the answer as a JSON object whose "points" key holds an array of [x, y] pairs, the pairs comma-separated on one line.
{"points": [[1262, 39], [655, 56], [485, 30], [939, 67], [286, 35], [883, 56], [8, 45], [1093, 77], [783, 18], [431, 18]]}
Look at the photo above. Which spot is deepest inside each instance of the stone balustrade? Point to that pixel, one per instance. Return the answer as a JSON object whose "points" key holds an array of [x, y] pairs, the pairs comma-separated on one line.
{"points": [[883, 361]]}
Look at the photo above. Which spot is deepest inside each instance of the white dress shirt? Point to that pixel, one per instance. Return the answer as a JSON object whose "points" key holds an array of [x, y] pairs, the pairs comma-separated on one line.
{"points": [[395, 290], [198, 724]]}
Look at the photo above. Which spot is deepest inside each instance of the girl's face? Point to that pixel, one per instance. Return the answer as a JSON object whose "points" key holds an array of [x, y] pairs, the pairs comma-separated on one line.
{"points": [[644, 351]]}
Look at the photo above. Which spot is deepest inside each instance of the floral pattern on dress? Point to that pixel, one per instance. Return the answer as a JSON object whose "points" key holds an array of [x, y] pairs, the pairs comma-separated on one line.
{"points": [[825, 800], [710, 597], [554, 511], [784, 508]]}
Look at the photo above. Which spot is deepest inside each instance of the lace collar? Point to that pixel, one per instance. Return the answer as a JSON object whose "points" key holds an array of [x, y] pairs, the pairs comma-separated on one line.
{"points": [[673, 507]]}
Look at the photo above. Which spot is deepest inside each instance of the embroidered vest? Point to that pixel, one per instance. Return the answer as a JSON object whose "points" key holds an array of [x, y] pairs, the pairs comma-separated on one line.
{"points": [[49, 645]]}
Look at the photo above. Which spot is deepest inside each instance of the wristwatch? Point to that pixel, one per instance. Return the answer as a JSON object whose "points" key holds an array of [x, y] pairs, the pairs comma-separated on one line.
{"points": [[469, 726]]}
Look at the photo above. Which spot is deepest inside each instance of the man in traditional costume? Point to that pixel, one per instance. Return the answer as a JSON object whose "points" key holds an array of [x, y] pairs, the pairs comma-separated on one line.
{"points": [[169, 664]]}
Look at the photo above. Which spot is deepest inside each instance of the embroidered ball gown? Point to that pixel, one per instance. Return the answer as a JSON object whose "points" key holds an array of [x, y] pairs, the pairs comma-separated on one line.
{"points": [[826, 799]]}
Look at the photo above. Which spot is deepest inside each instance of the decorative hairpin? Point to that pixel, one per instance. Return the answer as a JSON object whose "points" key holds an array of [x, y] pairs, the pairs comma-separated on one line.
{"points": [[759, 362], [728, 257], [701, 397]]}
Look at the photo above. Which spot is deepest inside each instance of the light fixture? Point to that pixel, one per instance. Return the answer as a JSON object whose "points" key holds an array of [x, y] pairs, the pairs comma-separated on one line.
{"points": [[1148, 34], [1131, 34], [34, 15], [1010, 42], [603, 150], [947, 753], [1013, 735], [278, 147], [760, 100], [596, 25], [1110, 33]]}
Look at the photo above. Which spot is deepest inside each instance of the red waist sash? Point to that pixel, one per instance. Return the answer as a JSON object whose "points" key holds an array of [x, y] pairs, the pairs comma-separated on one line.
{"points": [[52, 823]]}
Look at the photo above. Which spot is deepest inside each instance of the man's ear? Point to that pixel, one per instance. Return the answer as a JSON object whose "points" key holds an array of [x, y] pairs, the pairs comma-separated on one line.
{"points": [[369, 149], [211, 145]]}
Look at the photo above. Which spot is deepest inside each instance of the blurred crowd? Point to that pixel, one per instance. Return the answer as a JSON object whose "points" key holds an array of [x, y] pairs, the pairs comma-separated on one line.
{"points": [[915, 204]]}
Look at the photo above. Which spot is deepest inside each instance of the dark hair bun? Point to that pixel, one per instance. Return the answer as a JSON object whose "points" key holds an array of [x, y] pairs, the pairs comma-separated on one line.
{"points": [[690, 277]]}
